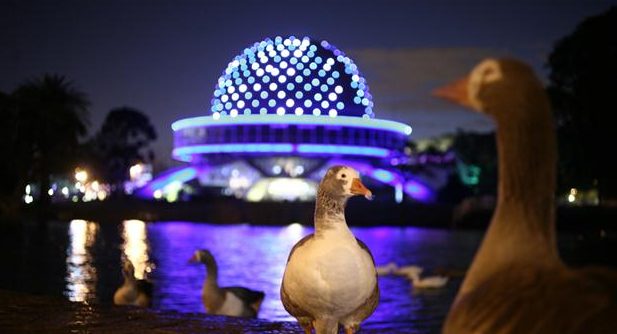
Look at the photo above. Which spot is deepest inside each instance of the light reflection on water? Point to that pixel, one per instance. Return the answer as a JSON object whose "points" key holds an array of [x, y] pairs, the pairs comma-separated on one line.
{"points": [[135, 246], [81, 275]]}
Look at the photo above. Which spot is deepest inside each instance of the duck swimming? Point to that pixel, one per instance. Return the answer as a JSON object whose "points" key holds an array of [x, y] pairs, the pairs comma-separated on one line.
{"points": [[330, 277], [233, 301], [137, 292], [517, 283]]}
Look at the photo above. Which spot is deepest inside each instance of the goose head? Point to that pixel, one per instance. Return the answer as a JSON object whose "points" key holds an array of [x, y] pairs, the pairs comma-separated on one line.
{"points": [[202, 256], [495, 86], [342, 182], [128, 271]]}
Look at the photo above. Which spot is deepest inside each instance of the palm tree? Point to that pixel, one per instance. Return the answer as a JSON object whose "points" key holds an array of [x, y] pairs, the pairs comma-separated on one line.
{"points": [[52, 116]]}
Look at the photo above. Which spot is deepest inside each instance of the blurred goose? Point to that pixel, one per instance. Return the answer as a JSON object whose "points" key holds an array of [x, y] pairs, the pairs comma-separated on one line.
{"points": [[517, 282], [330, 277], [137, 292], [388, 269], [431, 282], [409, 271], [231, 301]]}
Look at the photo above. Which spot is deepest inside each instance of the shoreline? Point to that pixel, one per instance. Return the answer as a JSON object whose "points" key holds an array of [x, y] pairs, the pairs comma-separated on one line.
{"points": [[358, 213]]}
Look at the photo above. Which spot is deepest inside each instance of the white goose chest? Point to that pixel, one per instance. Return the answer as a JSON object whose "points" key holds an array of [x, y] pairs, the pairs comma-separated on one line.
{"points": [[330, 273]]}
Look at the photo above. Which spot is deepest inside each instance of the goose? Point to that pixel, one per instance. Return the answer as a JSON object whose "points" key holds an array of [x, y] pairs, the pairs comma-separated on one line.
{"points": [[517, 283], [330, 276], [409, 271], [430, 282], [230, 301], [137, 292], [387, 269]]}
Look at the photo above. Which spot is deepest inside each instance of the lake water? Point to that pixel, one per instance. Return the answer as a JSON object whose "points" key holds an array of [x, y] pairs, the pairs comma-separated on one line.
{"points": [[81, 260]]}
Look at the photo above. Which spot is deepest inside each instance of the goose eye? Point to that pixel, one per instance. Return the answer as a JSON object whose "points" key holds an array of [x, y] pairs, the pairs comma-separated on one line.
{"points": [[343, 175]]}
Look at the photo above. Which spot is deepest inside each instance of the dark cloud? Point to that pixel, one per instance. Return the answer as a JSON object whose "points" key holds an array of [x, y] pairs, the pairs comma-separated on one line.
{"points": [[401, 81]]}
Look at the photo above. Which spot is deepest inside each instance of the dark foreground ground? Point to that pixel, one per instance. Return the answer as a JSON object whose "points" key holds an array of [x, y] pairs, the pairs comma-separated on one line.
{"points": [[23, 313]]}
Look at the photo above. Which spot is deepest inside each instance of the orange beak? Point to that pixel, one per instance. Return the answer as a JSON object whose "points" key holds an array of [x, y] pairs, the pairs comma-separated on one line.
{"points": [[455, 92], [193, 259], [357, 188]]}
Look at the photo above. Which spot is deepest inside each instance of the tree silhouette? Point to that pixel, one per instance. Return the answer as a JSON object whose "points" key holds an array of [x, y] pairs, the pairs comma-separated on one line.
{"points": [[49, 118], [583, 68], [123, 141]]}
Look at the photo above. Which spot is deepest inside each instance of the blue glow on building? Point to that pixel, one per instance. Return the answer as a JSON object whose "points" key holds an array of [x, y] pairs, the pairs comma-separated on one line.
{"points": [[289, 108]]}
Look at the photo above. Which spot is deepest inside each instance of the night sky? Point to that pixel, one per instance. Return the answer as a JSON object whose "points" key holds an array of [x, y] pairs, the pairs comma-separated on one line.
{"points": [[164, 57]]}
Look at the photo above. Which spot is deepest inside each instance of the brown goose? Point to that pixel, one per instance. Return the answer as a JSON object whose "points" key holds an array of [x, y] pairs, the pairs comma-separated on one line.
{"points": [[517, 282], [137, 292], [231, 301], [330, 277]]}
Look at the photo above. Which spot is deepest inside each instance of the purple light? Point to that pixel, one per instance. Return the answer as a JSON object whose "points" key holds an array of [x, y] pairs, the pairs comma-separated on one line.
{"points": [[183, 152], [417, 191], [182, 174], [348, 121]]}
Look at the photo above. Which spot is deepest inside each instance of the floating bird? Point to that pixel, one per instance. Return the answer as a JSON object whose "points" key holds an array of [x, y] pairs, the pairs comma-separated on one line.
{"points": [[137, 292], [517, 282], [231, 301], [431, 282], [387, 269], [330, 277], [409, 271]]}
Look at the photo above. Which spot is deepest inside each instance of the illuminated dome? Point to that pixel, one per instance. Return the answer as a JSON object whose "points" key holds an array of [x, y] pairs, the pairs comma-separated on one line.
{"points": [[282, 112], [292, 76]]}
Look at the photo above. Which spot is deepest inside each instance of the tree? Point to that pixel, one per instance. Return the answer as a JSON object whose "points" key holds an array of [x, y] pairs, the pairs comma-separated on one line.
{"points": [[583, 68], [49, 118], [123, 141]]}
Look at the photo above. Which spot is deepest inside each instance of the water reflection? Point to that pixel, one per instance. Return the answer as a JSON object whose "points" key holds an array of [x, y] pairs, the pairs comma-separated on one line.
{"points": [[81, 275], [135, 246]]}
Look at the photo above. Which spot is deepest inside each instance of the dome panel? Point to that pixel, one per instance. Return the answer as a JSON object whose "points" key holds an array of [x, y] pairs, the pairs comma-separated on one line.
{"points": [[283, 74]]}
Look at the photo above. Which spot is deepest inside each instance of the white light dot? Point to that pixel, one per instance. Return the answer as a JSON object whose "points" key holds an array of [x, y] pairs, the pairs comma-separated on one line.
{"points": [[282, 79], [233, 112], [325, 104], [260, 72], [235, 96], [255, 65], [216, 115], [338, 89], [297, 53], [283, 65], [332, 96], [224, 98], [316, 112], [273, 86], [285, 53], [355, 77], [299, 111], [231, 89], [242, 88], [240, 104], [332, 113], [280, 111], [275, 71], [281, 94], [291, 71], [257, 87], [289, 103]]}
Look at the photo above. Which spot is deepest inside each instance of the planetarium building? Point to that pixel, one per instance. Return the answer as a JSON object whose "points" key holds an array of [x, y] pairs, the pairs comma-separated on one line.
{"points": [[281, 113]]}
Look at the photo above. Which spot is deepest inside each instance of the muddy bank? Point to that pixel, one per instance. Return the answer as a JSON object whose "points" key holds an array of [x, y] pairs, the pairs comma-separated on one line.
{"points": [[24, 313]]}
